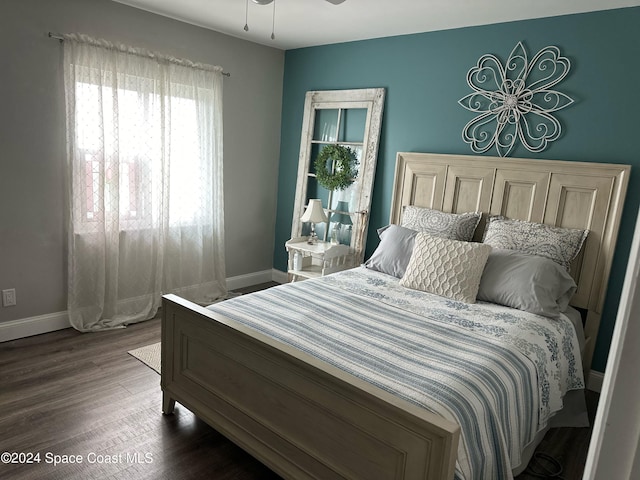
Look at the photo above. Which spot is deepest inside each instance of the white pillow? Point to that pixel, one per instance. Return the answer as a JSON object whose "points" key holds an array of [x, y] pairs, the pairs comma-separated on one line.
{"points": [[449, 268]]}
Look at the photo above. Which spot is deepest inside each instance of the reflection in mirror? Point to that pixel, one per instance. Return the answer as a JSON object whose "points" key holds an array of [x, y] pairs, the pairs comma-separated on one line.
{"points": [[353, 124], [341, 224], [326, 125]]}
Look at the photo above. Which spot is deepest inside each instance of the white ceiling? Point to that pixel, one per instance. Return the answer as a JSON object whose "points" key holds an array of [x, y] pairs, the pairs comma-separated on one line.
{"points": [[303, 23]]}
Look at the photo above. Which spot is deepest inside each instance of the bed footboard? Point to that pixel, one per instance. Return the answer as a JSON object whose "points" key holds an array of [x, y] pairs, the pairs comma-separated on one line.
{"points": [[301, 417]]}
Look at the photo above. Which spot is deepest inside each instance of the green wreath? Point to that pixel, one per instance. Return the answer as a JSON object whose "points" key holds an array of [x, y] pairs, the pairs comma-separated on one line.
{"points": [[344, 163]]}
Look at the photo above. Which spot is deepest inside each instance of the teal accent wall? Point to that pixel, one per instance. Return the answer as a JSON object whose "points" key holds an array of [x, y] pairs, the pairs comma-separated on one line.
{"points": [[425, 75]]}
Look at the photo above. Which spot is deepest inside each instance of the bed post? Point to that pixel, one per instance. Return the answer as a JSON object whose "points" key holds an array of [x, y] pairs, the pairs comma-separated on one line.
{"points": [[168, 404]]}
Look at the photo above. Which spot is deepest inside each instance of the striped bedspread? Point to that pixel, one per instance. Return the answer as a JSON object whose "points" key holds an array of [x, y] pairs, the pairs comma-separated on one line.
{"points": [[498, 372]]}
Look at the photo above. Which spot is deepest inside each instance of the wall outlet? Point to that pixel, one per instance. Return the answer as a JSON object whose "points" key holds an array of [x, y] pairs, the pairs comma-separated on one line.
{"points": [[9, 297]]}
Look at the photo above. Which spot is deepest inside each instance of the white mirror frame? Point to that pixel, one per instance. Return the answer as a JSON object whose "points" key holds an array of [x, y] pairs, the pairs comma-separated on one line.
{"points": [[373, 100]]}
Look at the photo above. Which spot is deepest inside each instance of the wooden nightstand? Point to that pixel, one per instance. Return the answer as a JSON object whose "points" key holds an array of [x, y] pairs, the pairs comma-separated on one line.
{"points": [[321, 258]]}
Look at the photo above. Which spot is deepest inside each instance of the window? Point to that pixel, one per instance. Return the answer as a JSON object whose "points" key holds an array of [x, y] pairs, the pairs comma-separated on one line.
{"points": [[123, 137], [144, 138]]}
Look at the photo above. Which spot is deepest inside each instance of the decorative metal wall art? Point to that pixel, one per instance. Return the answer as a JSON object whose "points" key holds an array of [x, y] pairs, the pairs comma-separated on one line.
{"points": [[515, 101]]}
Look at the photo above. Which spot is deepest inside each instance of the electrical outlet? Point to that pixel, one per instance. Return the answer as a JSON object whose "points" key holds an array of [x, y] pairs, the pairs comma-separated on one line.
{"points": [[9, 297]]}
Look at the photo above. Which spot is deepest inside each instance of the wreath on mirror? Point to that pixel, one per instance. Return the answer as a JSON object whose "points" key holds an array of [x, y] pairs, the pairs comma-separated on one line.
{"points": [[344, 162]]}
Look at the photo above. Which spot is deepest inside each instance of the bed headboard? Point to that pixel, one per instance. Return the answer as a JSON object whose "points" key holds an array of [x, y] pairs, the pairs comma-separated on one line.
{"points": [[560, 193]]}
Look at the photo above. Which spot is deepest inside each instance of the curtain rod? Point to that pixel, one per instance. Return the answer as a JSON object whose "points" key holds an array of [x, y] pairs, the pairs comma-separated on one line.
{"points": [[58, 36]]}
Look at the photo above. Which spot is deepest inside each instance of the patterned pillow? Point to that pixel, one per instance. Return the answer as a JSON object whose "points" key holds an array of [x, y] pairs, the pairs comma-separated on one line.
{"points": [[557, 243], [456, 226], [449, 268]]}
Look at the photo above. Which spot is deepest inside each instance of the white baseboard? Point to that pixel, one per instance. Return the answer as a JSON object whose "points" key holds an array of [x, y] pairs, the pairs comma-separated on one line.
{"points": [[279, 276], [594, 382], [27, 327], [249, 279]]}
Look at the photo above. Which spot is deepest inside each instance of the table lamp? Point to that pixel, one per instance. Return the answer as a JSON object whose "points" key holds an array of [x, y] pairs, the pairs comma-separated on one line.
{"points": [[314, 214]]}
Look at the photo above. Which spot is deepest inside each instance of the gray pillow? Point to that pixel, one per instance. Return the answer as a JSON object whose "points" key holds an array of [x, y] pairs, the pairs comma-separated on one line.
{"points": [[531, 283], [394, 251], [454, 226]]}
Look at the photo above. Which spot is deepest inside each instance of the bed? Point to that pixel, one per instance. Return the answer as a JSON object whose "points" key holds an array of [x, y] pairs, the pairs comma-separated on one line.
{"points": [[319, 379]]}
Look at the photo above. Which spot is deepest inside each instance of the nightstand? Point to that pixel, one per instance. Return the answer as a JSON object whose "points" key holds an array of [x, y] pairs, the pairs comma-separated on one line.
{"points": [[318, 259]]}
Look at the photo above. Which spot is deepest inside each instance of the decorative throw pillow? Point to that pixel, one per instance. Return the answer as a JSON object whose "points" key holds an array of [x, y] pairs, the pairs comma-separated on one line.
{"points": [[557, 243], [456, 226], [527, 282], [394, 251], [449, 268]]}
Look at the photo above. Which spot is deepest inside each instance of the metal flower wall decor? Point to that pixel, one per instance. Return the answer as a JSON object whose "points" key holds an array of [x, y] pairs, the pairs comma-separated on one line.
{"points": [[515, 101]]}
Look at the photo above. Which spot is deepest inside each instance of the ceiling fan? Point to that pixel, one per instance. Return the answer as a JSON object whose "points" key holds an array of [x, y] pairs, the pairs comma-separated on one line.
{"points": [[267, 2]]}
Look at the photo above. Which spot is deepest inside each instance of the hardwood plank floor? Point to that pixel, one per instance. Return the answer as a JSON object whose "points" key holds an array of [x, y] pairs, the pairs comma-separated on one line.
{"points": [[71, 393]]}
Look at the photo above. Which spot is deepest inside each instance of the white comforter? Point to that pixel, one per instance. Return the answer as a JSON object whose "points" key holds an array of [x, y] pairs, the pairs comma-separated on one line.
{"points": [[498, 372]]}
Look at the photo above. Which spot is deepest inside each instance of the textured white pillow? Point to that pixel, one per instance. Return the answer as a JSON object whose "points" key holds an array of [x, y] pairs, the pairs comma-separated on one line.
{"points": [[449, 268]]}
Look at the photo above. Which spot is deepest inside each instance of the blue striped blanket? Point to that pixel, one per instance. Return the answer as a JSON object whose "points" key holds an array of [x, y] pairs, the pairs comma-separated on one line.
{"points": [[497, 372]]}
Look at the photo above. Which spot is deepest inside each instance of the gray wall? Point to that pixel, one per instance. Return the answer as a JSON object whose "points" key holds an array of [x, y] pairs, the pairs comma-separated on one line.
{"points": [[32, 137]]}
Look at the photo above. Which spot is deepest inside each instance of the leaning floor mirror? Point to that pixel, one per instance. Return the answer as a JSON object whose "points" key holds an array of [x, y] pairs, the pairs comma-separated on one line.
{"points": [[338, 156]]}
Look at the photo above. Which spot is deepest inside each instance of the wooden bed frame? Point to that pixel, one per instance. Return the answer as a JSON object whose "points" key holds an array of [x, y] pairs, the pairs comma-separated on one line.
{"points": [[308, 420]]}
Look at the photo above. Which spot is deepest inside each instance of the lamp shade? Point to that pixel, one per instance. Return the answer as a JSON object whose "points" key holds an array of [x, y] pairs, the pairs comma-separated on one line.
{"points": [[340, 216], [314, 212]]}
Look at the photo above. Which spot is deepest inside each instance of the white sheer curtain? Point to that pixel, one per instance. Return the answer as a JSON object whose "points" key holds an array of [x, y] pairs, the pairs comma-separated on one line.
{"points": [[144, 137]]}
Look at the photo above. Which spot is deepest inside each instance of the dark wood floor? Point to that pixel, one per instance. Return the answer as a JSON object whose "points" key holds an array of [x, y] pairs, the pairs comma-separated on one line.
{"points": [[568, 446], [72, 394]]}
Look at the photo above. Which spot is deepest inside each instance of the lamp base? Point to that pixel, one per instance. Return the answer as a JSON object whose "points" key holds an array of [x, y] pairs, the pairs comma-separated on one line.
{"points": [[313, 237]]}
